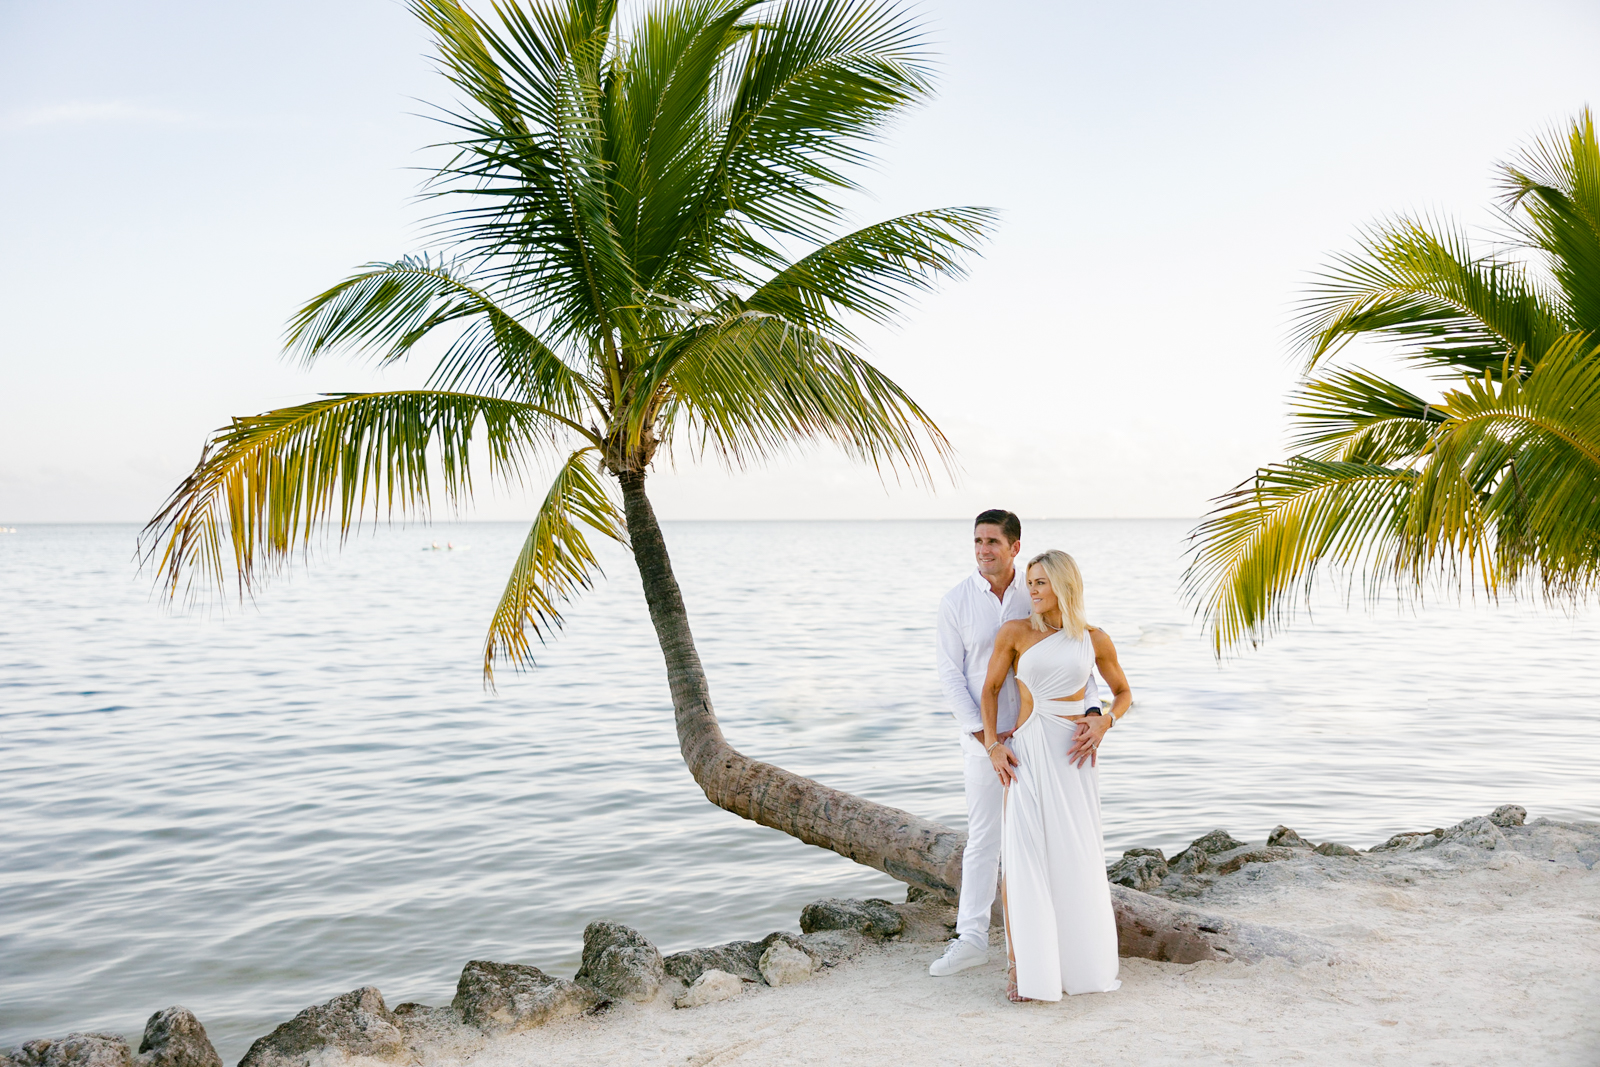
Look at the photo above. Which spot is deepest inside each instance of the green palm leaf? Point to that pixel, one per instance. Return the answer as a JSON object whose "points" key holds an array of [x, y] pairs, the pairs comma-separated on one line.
{"points": [[1495, 484], [556, 561], [819, 78], [1556, 183], [1358, 417], [531, 154], [1533, 448], [266, 482], [872, 271], [393, 306], [1424, 289], [759, 385], [1258, 554]]}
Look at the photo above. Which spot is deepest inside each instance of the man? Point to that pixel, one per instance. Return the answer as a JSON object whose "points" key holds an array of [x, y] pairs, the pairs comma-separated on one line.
{"points": [[969, 616]]}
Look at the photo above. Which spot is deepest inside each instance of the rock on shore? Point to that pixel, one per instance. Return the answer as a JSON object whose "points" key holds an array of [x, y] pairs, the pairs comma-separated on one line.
{"points": [[357, 1023], [172, 1038], [507, 997], [619, 962]]}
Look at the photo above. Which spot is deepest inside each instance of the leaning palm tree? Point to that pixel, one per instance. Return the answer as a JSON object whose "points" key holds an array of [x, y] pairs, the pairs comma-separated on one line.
{"points": [[1494, 484], [619, 280]]}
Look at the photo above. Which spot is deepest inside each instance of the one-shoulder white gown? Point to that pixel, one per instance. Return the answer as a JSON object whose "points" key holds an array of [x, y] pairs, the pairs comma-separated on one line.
{"points": [[1059, 921]]}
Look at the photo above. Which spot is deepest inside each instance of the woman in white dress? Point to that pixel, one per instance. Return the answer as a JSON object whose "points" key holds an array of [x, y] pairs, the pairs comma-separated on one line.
{"points": [[1061, 935]]}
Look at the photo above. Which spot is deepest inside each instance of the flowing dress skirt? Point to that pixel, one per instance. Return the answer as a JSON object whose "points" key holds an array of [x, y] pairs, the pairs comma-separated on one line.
{"points": [[1059, 922]]}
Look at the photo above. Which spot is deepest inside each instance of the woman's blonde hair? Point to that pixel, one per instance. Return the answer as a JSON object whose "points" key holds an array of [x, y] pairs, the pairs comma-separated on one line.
{"points": [[1061, 571]]}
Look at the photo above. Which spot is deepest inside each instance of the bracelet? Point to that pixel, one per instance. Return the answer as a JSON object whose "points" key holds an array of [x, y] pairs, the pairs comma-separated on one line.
{"points": [[991, 748]]}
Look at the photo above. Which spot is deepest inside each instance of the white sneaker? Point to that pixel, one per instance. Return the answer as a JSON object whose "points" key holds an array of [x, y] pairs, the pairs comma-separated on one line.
{"points": [[958, 956]]}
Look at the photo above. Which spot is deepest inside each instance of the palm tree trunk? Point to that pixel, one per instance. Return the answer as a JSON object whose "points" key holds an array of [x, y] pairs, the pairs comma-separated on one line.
{"points": [[899, 844]]}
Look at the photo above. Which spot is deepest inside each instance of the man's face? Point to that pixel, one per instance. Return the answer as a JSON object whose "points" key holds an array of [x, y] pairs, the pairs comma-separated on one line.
{"points": [[994, 552]]}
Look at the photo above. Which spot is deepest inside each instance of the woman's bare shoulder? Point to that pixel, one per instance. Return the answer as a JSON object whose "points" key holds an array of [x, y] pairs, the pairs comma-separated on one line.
{"points": [[1010, 631], [1101, 639]]}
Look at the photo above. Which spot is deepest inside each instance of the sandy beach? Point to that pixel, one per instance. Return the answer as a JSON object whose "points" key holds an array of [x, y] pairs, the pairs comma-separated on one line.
{"points": [[1478, 944], [1447, 955]]}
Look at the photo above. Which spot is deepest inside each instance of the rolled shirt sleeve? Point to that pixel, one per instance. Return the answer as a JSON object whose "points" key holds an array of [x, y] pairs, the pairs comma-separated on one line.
{"points": [[951, 651]]}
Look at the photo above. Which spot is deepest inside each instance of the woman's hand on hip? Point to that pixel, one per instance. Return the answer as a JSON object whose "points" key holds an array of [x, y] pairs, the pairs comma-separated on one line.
{"points": [[1086, 740], [1003, 759]]}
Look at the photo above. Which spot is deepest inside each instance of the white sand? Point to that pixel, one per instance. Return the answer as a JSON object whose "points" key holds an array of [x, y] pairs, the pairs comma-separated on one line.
{"points": [[1446, 956]]}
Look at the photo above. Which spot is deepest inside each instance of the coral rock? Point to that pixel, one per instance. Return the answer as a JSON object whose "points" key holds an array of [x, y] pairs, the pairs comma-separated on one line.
{"points": [[1509, 815], [507, 997], [1478, 832], [175, 1038], [738, 958], [74, 1050], [1286, 838], [783, 964], [620, 962], [873, 918], [712, 985], [1143, 873], [1216, 841], [1234, 861], [355, 1024]]}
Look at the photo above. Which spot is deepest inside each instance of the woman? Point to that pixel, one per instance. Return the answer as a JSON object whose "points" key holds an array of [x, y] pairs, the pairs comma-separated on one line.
{"points": [[1061, 936]]}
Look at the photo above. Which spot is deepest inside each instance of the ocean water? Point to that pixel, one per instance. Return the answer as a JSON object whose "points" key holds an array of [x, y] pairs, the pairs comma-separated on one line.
{"points": [[252, 810]]}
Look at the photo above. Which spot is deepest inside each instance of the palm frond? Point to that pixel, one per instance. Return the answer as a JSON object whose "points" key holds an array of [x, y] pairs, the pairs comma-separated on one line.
{"points": [[392, 306], [266, 482], [556, 561], [531, 154], [1498, 482], [1556, 183], [752, 388], [819, 80], [662, 128], [1420, 286], [872, 271], [1531, 447], [1359, 417], [1257, 555]]}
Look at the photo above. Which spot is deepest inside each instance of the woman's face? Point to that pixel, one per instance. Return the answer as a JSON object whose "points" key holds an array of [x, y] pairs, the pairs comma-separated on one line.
{"points": [[1040, 594]]}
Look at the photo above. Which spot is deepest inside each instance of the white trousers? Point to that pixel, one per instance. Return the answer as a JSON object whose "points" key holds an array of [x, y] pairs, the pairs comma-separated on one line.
{"points": [[980, 866], [1059, 919]]}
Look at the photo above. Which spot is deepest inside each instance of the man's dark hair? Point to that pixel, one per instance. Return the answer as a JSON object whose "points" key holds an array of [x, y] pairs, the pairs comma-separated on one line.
{"points": [[1009, 524]]}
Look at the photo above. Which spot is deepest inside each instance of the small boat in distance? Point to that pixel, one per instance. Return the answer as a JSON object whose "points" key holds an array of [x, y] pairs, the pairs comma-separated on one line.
{"points": [[448, 546]]}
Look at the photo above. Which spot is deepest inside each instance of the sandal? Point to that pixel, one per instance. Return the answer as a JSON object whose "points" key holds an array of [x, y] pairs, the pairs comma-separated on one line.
{"points": [[1011, 987]]}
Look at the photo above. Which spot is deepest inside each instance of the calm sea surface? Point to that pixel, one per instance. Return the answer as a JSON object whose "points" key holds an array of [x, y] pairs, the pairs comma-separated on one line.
{"points": [[250, 811]]}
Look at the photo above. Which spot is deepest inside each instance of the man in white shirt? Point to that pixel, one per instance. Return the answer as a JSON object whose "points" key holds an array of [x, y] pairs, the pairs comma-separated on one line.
{"points": [[969, 616]]}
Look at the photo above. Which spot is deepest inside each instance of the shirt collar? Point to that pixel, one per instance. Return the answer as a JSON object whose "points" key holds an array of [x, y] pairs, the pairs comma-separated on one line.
{"points": [[1018, 582]]}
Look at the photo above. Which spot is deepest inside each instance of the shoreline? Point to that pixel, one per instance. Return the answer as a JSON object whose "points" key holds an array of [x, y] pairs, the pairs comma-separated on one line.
{"points": [[1477, 943]]}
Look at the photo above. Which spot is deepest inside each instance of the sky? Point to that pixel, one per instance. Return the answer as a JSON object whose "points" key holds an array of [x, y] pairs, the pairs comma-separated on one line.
{"points": [[179, 175]]}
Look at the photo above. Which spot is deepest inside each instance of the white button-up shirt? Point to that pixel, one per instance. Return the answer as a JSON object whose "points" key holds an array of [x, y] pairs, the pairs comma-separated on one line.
{"points": [[969, 617]]}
